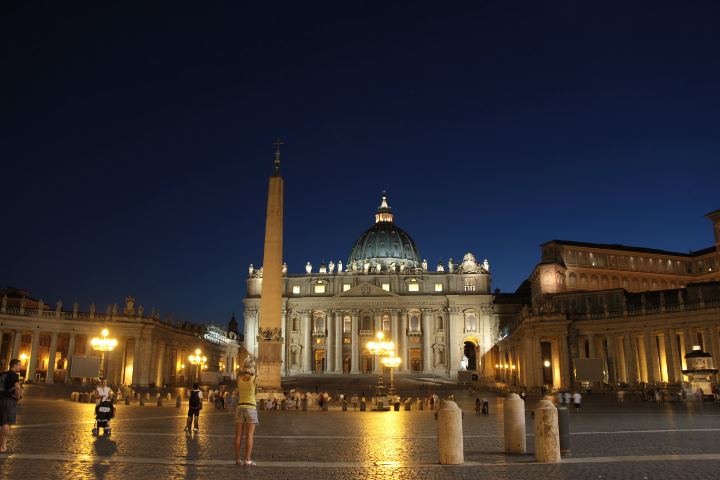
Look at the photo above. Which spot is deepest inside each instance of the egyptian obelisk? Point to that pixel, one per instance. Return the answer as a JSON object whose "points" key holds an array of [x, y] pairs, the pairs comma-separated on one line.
{"points": [[269, 335]]}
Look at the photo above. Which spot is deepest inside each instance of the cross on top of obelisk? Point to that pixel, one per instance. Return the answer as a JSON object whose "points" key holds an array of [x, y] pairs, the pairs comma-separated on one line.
{"points": [[277, 144]]}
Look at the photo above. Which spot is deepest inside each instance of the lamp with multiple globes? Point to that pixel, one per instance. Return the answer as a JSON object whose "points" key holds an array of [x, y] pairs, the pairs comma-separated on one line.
{"points": [[391, 362], [103, 345], [381, 349], [199, 360]]}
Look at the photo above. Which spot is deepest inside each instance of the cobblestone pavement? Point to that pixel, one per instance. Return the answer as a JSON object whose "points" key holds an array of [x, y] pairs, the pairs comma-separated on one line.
{"points": [[609, 441]]}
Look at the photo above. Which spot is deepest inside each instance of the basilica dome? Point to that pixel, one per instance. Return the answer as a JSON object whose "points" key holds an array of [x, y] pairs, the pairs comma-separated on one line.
{"points": [[385, 242]]}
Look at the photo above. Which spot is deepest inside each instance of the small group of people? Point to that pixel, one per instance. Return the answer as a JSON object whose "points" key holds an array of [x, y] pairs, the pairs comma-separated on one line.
{"points": [[566, 398]]}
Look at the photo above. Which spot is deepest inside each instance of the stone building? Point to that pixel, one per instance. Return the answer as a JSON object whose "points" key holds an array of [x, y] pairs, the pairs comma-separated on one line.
{"points": [[635, 311], [434, 318], [150, 351]]}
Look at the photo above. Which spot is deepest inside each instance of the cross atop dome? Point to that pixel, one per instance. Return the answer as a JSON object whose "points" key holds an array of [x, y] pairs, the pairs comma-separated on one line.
{"points": [[384, 212]]}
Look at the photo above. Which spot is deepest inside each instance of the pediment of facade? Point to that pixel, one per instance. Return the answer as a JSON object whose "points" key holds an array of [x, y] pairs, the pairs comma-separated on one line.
{"points": [[366, 290]]}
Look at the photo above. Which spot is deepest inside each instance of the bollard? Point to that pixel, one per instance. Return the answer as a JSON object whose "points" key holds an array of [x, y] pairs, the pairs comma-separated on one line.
{"points": [[420, 404], [169, 396], [450, 433], [127, 399], [142, 401], [304, 404], [408, 405], [514, 424], [564, 429], [547, 436], [344, 405], [147, 396], [178, 401]]}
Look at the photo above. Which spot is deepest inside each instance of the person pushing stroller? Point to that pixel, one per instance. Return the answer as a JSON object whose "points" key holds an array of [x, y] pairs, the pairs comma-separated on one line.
{"points": [[104, 412]]}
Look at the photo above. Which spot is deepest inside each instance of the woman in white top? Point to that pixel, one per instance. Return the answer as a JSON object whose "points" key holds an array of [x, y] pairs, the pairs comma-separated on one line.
{"points": [[103, 392]]}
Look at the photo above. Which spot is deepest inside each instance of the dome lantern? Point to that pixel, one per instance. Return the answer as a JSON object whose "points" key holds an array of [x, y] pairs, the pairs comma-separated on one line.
{"points": [[384, 212]]}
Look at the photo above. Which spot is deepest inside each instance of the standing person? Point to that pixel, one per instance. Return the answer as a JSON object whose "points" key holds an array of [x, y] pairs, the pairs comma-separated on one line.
{"points": [[477, 406], [194, 407], [10, 394], [102, 392], [246, 417], [577, 398]]}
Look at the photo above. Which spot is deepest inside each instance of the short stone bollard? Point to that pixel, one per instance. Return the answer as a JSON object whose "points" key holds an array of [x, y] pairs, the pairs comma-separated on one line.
{"points": [[547, 435], [74, 397], [127, 399], [408, 405], [147, 396], [421, 404], [514, 424], [564, 429], [142, 400], [169, 396], [178, 401], [450, 434]]}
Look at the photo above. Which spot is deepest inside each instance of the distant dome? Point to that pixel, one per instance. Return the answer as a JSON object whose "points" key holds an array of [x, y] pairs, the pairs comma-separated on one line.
{"points": [[385, 242]]}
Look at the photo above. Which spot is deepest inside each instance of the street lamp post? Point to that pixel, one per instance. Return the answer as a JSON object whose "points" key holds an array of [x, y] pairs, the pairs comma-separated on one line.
{"points": [[381, 349], [391, 362], [199, 360], [103, 345]]}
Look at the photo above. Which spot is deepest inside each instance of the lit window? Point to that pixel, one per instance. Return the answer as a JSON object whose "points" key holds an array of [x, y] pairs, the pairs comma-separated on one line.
{"points": [[346, 287], [413, 287], [386, 287], [319, 288], [296, 289], [438, 287], [469, 287]]}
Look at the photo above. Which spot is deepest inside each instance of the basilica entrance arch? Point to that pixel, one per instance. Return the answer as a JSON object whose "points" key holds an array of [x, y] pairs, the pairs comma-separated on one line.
{"points": [[471, 351]]}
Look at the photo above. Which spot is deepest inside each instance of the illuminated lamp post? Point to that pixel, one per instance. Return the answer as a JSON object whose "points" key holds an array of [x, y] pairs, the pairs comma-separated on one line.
{"points": [[199, 360], [381, 349], [23, 362], [103, 345], [392, 362]]}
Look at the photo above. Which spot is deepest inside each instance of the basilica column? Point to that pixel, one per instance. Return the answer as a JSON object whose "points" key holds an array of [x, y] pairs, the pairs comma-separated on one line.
{"points": [[50, 376], [689, 340], [622, 375], [32, 361], [283, 333], [329, 341], [403, 340], [427, 358], [394, 323], [708, 344], [70, 352], [673, 351], [137, 363], [377, 365], [631, 358], [338, 342], [610, 362], [591, 345], [307, 340], [355, 359]]}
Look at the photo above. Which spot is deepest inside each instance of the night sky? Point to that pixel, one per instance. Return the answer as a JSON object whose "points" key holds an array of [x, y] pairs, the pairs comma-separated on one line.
{"points": [[136, 141]]}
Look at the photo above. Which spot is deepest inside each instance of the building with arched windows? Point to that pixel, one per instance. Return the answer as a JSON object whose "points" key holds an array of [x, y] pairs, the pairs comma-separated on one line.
{"points": [[434, 318]]}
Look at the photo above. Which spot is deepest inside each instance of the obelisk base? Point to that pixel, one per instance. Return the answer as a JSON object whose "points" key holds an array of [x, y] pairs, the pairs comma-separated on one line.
{"points": [[268, 367]]}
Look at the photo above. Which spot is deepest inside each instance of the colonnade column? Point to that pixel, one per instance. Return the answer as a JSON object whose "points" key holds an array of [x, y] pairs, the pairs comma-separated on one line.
{"points": [[563, 351], [631, 357], [50, 373], [32, 361], [68, 363], [620, 355], [329, 341], [355, 358], [17, 339], [708, 344], [137, 362], [591, 345], [689, 339], [394, 329], [307, 340], [403, 341], [670, 351], [610, 360], [651, 357], [338, 342], [427, 358]]}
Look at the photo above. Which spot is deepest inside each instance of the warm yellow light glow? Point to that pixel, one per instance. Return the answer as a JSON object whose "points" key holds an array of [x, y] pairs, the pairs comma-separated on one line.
{"points": [[512, 367], [497, 366], [197, 351], [23, 357], [696, 347], [182, 366], [391, 361], [103, 344], [546, 363], [380, 335], [104, 332]]}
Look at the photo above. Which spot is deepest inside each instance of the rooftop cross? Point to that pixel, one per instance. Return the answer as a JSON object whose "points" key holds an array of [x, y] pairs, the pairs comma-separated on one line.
{"points": [[277, 144]]}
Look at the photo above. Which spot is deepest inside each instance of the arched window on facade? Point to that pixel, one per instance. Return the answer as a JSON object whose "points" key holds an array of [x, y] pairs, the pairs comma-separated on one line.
{"points": [[583, 281], [594, 282], [347, 324], [572, 280], [386, 323], [319, 326], [366, 323], [414, 323], [471, 323]]}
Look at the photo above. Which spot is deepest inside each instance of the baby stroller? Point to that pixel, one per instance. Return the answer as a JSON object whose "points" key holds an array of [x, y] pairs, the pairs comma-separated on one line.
{"points": [[104, 412]]}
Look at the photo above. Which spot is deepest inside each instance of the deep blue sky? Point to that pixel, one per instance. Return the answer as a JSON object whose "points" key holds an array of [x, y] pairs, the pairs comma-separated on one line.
{"points": [[136, 140]]}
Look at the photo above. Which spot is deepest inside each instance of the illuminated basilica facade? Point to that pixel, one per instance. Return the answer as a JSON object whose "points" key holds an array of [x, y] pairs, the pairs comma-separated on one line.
{"points": [[440, 321]]}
